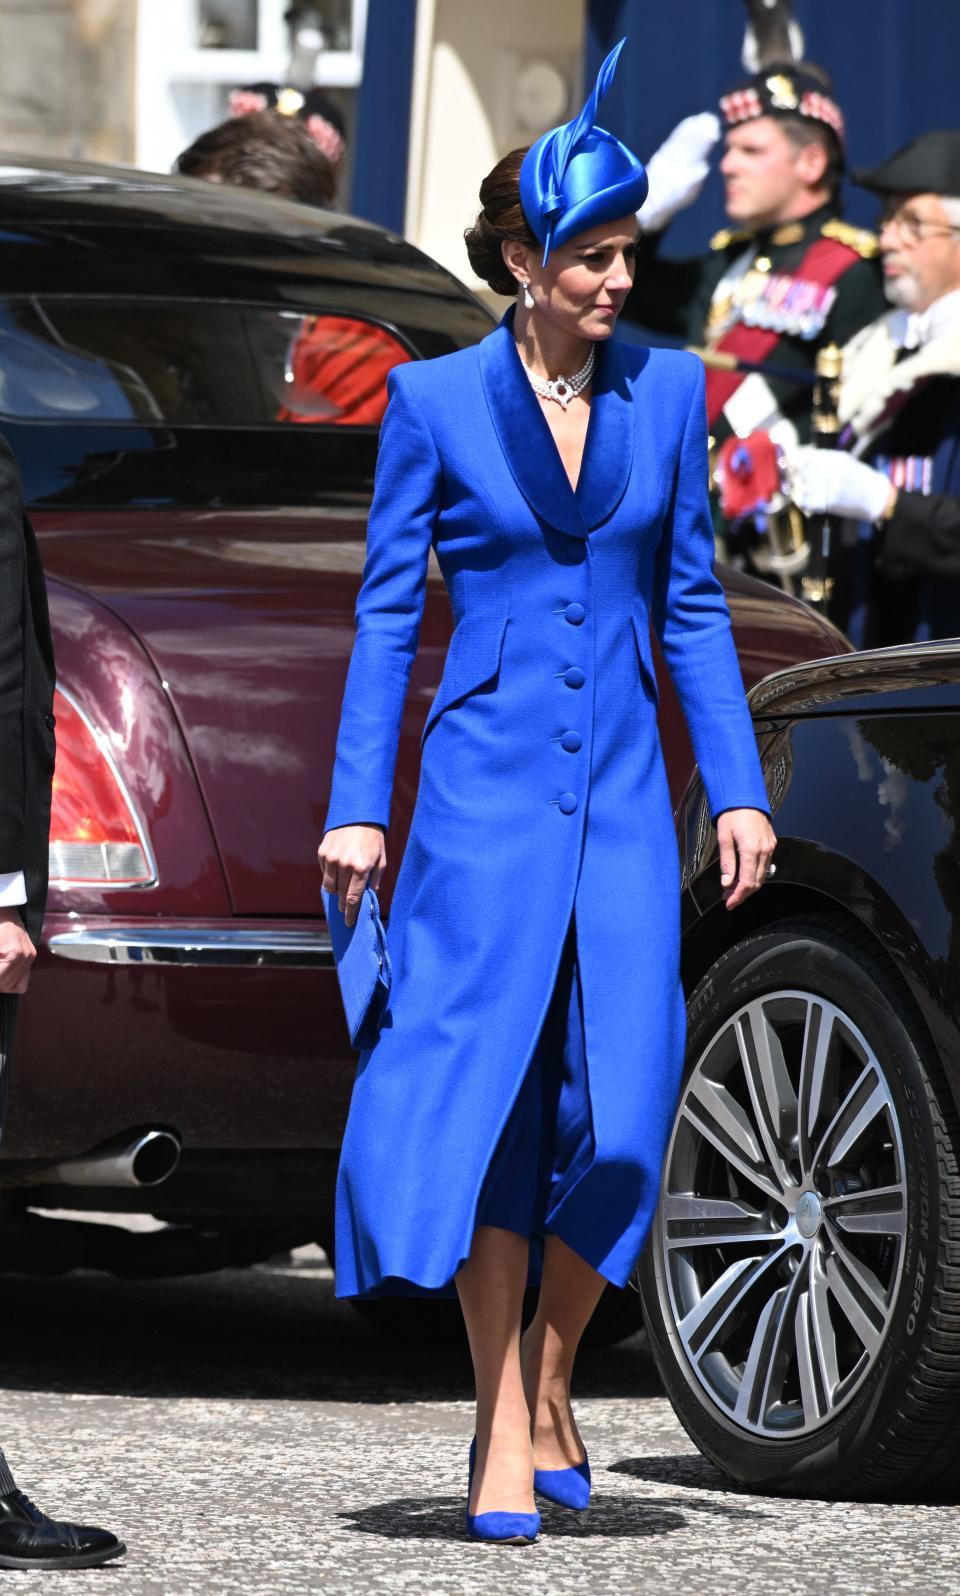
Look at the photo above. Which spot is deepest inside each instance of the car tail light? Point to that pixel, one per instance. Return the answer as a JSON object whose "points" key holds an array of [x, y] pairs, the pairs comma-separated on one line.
{"points": [[95, 835]]}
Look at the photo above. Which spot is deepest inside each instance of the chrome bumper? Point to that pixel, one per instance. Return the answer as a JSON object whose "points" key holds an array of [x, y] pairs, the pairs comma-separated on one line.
{"points": [[188, 946]]}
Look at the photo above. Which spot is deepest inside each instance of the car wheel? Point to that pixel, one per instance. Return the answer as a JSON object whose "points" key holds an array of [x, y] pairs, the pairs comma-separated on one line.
{"points": [[801, 1283]]}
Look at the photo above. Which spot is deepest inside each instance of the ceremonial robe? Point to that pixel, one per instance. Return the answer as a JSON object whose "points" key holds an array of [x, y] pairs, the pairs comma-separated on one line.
{"points": [[543, 801]]}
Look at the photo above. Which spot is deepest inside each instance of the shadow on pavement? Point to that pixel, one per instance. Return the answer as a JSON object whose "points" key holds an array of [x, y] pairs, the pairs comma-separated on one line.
{"points": [[441, 1518], [693, 1473], [269, 1332]]}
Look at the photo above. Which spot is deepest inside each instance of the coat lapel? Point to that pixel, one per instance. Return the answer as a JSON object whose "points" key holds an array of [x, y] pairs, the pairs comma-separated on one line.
{"points": [[608, 452], [524, 436], [528, 446]]}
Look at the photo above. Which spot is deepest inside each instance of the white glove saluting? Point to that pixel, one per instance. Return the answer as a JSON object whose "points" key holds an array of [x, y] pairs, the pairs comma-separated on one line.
{"points": [[678, 170], [826, 482]]}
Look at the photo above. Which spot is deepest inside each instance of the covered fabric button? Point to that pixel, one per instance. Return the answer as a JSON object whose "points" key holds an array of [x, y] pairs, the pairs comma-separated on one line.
{"points": [[567, 802], [572, 742], [574, 677], [574, 613]]}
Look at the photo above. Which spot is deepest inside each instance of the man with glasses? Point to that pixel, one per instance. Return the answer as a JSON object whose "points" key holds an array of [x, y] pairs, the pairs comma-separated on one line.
{"points": [[895, 482]]}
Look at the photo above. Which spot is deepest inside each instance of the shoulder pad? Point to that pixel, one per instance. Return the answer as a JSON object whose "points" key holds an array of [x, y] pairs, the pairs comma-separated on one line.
{"points": [[859, 239], [729, 236]]}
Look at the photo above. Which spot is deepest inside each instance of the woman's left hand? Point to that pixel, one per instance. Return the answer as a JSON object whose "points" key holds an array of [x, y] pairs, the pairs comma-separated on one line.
{"points": [[747, 841]]}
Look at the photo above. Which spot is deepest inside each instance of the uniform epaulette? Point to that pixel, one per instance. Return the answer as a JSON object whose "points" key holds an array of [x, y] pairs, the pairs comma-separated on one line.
{"points": [[859, 239], [728, 236]]}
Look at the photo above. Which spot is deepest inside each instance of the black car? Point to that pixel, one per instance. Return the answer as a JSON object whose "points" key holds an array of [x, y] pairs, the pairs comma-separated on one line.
{"points": [[802, 1281]]}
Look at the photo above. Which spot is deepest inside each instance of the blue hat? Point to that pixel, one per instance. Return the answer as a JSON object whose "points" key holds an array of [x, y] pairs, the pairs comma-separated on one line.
{"points": [[579, 175]]}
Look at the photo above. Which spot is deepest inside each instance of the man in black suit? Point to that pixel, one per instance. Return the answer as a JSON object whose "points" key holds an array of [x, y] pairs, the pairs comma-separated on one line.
{"points": [[28, 1538]]}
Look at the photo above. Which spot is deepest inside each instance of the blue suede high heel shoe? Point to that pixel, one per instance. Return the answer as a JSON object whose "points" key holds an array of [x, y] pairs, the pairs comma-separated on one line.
{"points": [[566, 1487], [502, 1529]]}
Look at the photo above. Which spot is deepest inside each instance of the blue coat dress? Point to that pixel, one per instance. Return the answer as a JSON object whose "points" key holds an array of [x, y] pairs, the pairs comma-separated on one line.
{"points": [[543, 813]]}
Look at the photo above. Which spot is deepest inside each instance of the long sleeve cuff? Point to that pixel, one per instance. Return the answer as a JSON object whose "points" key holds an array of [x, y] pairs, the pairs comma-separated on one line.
{"points": [[13, 889]]}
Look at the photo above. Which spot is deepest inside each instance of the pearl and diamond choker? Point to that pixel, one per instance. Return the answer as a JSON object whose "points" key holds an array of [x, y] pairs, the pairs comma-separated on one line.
{"points": [[563, 389]]}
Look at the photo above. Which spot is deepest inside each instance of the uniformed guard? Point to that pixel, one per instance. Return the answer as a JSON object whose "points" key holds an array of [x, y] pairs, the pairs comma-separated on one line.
{"points": [[896, 479], [788, 277]]}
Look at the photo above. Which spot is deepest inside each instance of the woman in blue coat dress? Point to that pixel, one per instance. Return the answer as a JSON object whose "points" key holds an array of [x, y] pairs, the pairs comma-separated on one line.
{"points": [[523, 1083]]}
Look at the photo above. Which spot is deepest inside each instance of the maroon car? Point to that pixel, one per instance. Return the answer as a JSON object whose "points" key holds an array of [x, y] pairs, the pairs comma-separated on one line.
{"points": [[192, 378]]}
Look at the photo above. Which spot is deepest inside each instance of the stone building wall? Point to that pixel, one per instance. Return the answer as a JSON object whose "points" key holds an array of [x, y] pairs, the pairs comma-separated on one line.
{"points": [[67, 78]]}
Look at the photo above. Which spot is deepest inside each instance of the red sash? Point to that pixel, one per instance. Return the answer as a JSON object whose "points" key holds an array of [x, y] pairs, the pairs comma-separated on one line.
{"points": [[825, 261]]}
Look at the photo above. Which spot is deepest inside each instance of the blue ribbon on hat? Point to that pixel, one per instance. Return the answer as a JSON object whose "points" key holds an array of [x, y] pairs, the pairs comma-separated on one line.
{"points": [[578, 175]]}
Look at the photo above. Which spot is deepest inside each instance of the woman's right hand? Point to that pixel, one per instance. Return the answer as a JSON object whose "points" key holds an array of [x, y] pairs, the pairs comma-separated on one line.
{"points": [[350, 857]]}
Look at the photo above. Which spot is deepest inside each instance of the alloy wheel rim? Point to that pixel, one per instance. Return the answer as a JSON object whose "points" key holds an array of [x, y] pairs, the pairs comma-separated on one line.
{"points": [[782, 1219]]}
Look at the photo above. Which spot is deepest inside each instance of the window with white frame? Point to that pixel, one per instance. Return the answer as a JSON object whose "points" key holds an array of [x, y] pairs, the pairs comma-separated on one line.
{"points": [[191, 53]]}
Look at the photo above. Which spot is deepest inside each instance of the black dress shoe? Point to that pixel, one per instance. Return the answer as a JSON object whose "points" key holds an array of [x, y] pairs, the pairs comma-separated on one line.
{"points": [[29, 1539]]}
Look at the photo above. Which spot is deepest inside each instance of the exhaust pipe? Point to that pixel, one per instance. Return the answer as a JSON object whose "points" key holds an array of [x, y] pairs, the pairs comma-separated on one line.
{"points": [[145, 1158]]}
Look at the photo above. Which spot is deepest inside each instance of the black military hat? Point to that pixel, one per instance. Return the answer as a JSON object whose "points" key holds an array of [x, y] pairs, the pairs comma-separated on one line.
{"points": [[784, 88], [927, 165]]}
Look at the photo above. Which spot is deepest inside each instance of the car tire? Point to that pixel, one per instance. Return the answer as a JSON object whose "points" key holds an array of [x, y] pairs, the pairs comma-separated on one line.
{"points": [[811, 1345]]}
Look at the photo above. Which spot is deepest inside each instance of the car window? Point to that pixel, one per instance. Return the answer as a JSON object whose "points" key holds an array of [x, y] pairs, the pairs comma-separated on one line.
{"points": [[190, 363]]}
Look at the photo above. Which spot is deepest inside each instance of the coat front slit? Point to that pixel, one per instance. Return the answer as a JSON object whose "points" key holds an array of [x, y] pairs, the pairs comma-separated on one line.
{"points": [[547, 1140], [534, 928]]}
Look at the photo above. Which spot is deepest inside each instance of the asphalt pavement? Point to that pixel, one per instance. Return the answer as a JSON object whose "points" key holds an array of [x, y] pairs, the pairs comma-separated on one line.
{"points": [[245, 1433]]}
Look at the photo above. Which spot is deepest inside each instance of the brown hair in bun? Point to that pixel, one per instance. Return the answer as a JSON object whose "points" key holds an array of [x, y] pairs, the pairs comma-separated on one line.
{"points": [[500, 221]]}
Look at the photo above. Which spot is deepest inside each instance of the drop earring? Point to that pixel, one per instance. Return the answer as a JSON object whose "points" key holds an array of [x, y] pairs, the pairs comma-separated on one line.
{"points": [[528, 298]]}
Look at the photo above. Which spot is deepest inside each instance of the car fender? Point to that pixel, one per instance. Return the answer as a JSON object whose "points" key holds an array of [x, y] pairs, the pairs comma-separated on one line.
{"points": [[111, 680], [863, 810]]}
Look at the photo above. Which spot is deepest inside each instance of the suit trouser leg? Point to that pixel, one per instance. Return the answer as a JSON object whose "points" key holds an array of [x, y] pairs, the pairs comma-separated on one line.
{"points": [[8, 1019], [8, 1016]]}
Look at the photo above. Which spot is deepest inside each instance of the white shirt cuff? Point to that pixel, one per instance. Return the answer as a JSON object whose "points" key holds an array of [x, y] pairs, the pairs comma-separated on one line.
{"points": [[13, 890]]}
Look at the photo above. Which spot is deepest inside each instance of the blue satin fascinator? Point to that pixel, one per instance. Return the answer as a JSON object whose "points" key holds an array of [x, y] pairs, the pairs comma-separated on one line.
{"points": [[579, 175]]}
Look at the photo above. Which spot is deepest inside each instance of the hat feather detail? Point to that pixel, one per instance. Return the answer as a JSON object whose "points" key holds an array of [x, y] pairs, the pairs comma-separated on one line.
{"points": [[578, 175], [772, 35], [569, 137]]}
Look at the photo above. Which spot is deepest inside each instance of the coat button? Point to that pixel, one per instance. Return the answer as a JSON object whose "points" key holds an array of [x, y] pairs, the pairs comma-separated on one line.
{"points": [[50, 721], [574, 613], [567, 802], [572, 742], [574, 677]]}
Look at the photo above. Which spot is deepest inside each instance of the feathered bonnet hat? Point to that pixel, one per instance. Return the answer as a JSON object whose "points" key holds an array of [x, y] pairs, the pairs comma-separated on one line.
{"points": [[779, 82], [579, 175]]}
